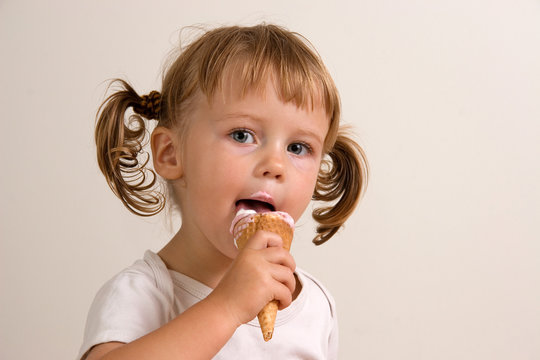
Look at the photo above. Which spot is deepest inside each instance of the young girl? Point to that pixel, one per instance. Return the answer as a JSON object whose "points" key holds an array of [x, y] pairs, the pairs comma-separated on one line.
{"points": [[247, 117]]}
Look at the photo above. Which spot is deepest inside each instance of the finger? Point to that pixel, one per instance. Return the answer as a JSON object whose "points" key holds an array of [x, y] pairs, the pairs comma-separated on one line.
{"points": [[284, 275], [263, 239], [273, 240], [279, 256], [283, 296]]}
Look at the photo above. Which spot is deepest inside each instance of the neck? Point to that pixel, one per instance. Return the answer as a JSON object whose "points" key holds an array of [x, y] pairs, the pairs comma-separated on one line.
{"points": [[195, 259]]}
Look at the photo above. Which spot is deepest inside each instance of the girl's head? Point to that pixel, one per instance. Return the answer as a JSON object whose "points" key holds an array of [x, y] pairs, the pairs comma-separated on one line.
{"points": [[248, 58]]}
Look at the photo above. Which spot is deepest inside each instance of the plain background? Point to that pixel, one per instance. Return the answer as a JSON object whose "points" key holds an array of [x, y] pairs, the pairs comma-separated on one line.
{"points": [[440, 261]]}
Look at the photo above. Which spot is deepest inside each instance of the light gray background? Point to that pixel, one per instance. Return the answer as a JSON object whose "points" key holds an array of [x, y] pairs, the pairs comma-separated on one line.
{"points": [[442, 258]]}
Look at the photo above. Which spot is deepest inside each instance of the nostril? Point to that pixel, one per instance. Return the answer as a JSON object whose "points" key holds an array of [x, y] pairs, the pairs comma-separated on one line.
{"points": [[271, 168], [276, 175]]}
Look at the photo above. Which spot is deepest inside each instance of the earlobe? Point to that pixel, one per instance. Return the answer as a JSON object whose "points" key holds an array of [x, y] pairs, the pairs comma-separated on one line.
{"points": [[166, 154]]}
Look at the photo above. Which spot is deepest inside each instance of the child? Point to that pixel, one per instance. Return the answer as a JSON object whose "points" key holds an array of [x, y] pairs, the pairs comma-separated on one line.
{"points": [[247, 116]]}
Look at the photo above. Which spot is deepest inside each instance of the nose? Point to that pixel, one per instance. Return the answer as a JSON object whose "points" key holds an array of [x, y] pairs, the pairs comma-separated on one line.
{"points": [[271, 165]]}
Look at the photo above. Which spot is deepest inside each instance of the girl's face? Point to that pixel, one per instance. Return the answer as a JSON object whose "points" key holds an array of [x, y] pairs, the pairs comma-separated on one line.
{"points": [[253, 151]]}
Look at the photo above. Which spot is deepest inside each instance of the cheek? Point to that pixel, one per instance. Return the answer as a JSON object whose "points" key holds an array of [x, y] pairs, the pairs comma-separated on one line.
{"points": [[234, 150], [305, 166], [304, 187]]}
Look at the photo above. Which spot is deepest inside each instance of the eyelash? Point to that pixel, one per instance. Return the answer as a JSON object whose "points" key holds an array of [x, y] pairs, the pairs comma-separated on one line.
{"points": [[240, 130], [305, 145]]}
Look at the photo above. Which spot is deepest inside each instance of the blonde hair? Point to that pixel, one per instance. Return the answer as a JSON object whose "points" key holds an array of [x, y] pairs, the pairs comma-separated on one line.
{"points": [[255, 53]]}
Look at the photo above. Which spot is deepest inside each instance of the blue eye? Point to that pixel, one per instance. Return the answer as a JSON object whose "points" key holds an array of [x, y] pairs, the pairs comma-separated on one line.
{"points": [[242, 136], [299, 149]]}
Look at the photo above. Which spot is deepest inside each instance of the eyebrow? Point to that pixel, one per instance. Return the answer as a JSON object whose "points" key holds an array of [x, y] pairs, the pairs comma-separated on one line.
{"points": [[312, 135], [240, 115]]}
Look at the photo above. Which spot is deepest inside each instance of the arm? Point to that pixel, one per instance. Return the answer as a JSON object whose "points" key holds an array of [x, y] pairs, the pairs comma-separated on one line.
{"points": [[261, 272], [198, 333]]}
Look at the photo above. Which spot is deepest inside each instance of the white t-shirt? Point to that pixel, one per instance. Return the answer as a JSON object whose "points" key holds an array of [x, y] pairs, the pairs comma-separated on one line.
{"points": [[147, 295]]}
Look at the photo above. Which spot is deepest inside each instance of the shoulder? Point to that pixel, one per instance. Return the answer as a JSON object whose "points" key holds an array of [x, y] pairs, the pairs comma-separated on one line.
{"points": [[147, 275], [134, 302], [316, 289]]}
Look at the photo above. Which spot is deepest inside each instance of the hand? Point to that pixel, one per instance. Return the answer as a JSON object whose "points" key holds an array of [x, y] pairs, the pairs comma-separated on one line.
{"points": [[262, 271]]}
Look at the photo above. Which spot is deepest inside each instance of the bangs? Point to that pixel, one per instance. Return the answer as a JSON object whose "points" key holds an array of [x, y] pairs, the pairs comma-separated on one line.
{"points": [[269, 53], [292, 81]]}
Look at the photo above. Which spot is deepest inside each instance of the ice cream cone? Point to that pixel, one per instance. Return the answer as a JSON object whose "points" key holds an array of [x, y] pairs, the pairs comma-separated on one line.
{"points": [[243, 228]]}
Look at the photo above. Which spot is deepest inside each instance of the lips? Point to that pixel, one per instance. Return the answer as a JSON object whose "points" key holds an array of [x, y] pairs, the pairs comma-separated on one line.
{"points": [[256, 205], [260, 202]]}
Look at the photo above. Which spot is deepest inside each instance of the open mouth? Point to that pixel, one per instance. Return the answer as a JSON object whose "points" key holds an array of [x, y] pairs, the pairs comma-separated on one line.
{"points": [[256, 205]]}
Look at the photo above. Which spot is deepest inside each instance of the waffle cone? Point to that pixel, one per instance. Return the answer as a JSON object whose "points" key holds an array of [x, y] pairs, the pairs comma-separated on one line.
{"points": [[244, 229]]}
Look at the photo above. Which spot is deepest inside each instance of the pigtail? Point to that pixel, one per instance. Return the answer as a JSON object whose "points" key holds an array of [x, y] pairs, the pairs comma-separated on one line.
{"points": [[119, 144], [343, 177]]}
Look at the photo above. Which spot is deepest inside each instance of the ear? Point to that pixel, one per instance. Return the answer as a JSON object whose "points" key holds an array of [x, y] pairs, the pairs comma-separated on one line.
{"points": [[166, 153]]}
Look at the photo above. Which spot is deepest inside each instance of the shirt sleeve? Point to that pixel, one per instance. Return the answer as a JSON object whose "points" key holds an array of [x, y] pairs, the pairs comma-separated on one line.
{"points": [[127, 307]]}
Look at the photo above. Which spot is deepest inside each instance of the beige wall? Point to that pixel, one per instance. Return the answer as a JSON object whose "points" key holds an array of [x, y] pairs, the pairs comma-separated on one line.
{"points": [[441, 260]]}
